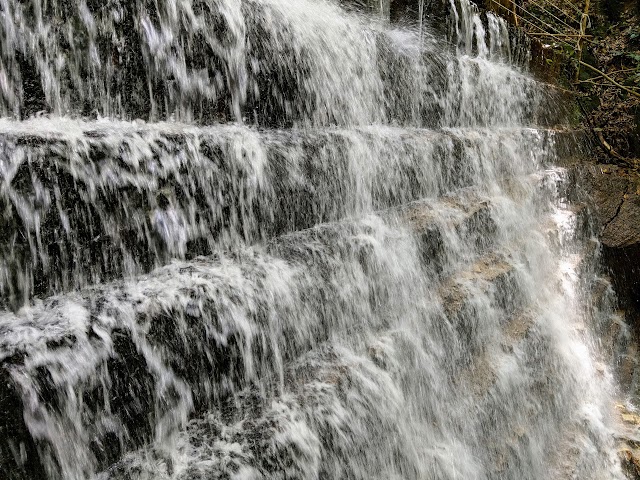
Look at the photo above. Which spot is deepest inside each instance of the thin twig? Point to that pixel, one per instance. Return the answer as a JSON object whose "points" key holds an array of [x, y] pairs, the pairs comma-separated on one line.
{"points": [[597, 77], [561, 10], [615, 72], [604, 75], [538, 19], [573, 6], [595, 83], [527, 21], [562, 35], [544, 10], [542, 30], [609, 149]]}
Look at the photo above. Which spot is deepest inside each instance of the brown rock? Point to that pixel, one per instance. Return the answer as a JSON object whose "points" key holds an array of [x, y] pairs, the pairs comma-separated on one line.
{"points": [[607, 186], [623, 229], [630, 463], [616, 199], [628, 451]]}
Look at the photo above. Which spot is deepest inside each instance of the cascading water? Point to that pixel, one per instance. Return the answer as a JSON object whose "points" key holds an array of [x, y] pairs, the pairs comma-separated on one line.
{"points": [[371, 273]]}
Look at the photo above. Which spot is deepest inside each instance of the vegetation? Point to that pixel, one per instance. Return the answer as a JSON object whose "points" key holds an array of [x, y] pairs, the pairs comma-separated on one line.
{"points": [[595, 46]]}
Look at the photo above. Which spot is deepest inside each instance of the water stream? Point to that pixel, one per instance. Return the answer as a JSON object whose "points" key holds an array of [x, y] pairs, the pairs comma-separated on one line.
{"points": [[280, 239]]}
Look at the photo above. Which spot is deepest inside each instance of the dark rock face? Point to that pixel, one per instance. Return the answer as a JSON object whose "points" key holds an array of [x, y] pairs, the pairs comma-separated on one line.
{"points": [[404, 11], [19, 456], [86, 210], [617, 202], [206, 352]]}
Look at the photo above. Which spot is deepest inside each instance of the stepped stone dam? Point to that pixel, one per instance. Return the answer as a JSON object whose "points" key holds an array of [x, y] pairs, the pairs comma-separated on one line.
{"points": [[296, 239]]}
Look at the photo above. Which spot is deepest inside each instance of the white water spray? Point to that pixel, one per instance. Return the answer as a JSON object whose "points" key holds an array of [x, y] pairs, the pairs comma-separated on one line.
{"points": [[271, 239]]}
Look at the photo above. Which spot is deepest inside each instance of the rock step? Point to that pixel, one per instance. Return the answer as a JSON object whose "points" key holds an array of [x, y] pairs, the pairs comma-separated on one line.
{"points": [[263, 63], [331, 377], [362, 386], [86, 202], [132, 355], [334, 372]]}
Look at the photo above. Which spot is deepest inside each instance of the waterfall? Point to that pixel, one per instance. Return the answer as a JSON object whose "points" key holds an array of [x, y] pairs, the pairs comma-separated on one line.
{"points": [[282, 239]]}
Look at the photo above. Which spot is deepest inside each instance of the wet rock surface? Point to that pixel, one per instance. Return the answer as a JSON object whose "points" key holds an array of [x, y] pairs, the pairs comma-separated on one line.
{"points": [[93, 205], [629, 441], [267, 299], [616, 196], [191, 330]]}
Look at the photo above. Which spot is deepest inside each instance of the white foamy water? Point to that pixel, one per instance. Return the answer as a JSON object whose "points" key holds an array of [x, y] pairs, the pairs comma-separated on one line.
{"points": [[274, 239]]}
